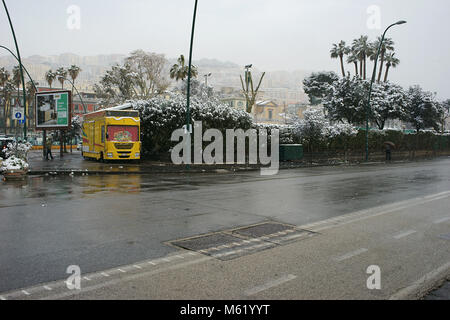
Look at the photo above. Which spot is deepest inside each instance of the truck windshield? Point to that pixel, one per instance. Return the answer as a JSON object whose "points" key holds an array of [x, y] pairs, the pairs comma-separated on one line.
{"points": [[123, 133]]}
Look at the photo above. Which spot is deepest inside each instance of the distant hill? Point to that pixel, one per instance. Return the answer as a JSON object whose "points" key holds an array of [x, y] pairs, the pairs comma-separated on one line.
{"points": [[224, 73]]}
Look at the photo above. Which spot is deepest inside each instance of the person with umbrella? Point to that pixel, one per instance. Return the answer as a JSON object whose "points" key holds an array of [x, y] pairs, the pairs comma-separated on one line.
{"points": [[389, 145]]}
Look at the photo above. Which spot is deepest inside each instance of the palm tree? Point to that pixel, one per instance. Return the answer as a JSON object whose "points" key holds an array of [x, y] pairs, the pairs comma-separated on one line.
{"points": [[31, 91], [4, 80], [353, 58], [391, 61], [362, 48], [338, 51], [74, 71], [50, 76], [179, 71], [387, 46], [16, 77], [61, 74]]}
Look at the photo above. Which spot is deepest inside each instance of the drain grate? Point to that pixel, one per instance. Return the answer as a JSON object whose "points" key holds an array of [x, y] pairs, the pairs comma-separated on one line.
{"points": [[206, 242], [274, 232], [231, 244], [263, 229]]}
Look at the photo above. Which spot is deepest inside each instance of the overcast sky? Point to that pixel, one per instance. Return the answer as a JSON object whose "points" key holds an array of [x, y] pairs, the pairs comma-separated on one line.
{"points": [[271, 34]]}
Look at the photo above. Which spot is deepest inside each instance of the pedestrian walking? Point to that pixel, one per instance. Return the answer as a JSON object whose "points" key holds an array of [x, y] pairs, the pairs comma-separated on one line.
{"points": [[48, 146], [389, 145], [388, 152]]}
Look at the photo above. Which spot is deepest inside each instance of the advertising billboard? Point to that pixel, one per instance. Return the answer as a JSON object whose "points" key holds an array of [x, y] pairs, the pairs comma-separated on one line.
{"points": [[53, 110]]}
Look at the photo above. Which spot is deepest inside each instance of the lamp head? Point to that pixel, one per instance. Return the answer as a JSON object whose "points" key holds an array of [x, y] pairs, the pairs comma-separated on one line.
{"points": [[248, 66], [401, 22]]}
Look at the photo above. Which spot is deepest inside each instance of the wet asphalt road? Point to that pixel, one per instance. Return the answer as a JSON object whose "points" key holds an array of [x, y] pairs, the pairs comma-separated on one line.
{"points": [[98, 222]]}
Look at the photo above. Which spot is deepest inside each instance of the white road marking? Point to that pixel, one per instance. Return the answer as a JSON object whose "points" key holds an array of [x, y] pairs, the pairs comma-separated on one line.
{"points": [[294, 236], [137, 267], [104, 274], [87, 278], [441, 220], [152, 263], [123, 271], [25, 292], [351, 254], [47, 288], [373, 212], [165, 259], [270, 284], [178, 256], [404, 234], [126, 278]]}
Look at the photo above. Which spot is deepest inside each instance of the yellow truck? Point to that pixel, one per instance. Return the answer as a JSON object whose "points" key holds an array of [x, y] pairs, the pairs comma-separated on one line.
{"points": [[111, 135]]}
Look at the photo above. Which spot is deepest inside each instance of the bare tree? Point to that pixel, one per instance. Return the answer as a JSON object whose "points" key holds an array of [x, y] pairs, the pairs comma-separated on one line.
{"points": [[249, 92], [148, 69]]}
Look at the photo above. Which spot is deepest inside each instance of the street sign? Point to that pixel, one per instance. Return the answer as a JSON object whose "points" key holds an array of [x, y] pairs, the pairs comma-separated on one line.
{"points": [[18, 113]]}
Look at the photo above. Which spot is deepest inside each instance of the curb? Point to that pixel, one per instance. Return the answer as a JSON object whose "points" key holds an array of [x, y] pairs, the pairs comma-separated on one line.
{"points": [[420, 288], [204, 170]]}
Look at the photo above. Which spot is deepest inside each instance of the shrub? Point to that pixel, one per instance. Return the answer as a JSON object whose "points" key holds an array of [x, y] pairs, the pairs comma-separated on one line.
{"points": [[160, 117]]}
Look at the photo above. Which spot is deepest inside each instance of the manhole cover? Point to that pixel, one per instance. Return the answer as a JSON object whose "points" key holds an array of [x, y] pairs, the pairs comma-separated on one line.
{"points": [[206, 242], [264, 229]]}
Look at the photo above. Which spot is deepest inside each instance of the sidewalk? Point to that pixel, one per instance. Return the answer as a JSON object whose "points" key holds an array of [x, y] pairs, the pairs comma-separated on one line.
{"points": [[74, 164]]}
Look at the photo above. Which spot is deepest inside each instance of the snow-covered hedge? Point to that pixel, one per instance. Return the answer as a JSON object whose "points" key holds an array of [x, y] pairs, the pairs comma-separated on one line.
{"points": [[160, 117], [13, 163], [287, 135], [16, 156], [18, 149]]}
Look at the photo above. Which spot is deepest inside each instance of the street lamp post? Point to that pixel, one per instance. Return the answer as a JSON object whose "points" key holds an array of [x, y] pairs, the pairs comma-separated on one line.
{"points": [[26, 71], [21, 71], [371, 84], [206, 78], [81, 98], [188, 94], [247, 78]]}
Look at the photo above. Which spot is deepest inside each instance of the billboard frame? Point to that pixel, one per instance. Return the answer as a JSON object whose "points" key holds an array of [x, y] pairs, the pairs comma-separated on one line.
{"points": [[69, 111]]}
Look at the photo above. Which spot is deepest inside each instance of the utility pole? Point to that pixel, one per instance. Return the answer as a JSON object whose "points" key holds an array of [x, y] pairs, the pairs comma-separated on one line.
{"points": [[188, 94], [21, 74]]}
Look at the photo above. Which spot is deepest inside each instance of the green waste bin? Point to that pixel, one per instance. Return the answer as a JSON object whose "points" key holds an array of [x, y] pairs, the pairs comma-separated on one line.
{"points": [[290, 152]]}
